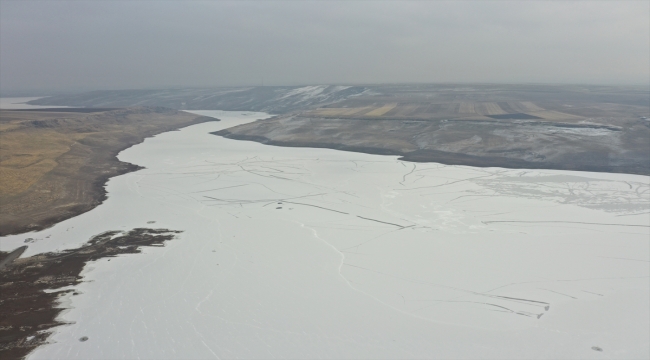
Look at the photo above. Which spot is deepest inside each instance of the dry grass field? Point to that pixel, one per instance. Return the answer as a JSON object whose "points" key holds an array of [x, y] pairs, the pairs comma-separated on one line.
{"points": [[53, 165], [437, 111], [529, 106], [28, 152], [466, 108], [381, 110]]}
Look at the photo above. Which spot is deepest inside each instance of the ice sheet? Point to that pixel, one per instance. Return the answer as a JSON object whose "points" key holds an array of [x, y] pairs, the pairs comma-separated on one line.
{"points": [[308, 253]]}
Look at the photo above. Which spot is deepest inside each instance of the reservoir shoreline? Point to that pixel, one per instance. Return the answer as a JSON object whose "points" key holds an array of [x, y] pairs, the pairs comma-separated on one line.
{"points": [[291, 251], [438, 156]]}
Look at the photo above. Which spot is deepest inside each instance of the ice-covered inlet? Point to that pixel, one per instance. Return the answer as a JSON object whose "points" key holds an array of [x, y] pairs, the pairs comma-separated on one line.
{"points": [[317, 253]]}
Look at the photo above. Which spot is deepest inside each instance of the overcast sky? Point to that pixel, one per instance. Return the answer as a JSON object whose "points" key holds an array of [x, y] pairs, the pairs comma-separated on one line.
{"points": [[80, 45]]}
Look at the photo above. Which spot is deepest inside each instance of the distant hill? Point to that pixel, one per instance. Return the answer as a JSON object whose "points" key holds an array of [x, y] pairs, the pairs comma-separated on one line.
{"points": [[577, 127], [270, 99]]}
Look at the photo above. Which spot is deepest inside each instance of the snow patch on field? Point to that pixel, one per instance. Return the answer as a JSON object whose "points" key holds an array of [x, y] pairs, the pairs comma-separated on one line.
{"points": [[313, 93]]}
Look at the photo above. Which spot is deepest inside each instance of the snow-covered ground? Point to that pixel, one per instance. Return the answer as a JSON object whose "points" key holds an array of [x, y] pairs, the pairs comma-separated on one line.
{"points": [[15, 103], [318, 253], [311, 93]]}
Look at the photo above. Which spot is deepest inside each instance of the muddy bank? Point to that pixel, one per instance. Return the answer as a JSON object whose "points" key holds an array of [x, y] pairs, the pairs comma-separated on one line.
{"points": [[29, 296]]}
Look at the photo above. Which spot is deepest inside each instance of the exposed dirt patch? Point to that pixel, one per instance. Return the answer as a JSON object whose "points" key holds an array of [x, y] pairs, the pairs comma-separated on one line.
{"points": [[27, 311]]}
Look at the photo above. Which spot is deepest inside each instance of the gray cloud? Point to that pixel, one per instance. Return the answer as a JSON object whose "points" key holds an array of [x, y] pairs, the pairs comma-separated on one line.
{"points": [[120, 44]]}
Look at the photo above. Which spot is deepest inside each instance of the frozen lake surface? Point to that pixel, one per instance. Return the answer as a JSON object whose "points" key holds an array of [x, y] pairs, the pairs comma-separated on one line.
{"points": [[318, 253]]}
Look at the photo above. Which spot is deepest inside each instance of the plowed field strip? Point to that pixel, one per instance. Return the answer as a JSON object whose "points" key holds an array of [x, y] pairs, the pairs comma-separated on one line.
{"points": [[381, 111], [404, 110], [494, 109], [434, 108], [466, 108], [506, 107], [555, 115], [529, 106], [517, 107]]}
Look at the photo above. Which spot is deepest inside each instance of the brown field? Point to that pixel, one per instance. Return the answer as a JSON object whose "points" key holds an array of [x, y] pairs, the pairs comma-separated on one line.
{"points": [[381, 110], [490, 108], [53, 164], [555, 115], [405, 110], [466, 108], [26, 154], [529, 106], [437, 111], [342, 111]]}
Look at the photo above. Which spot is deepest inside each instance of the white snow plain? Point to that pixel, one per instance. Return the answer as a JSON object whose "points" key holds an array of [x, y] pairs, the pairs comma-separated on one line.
{"points": [[318, 253], [20, 103]]}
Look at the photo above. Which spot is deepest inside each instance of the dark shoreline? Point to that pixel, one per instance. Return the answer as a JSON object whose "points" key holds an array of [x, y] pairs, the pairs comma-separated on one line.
{"points": [[442, 157], [27, 312]]}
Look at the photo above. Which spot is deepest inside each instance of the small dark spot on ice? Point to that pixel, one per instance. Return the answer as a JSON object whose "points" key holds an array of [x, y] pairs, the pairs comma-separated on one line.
{"points": [[279, 207], [596, 348], [279, 203], [214, 250], [83, 338], [151, 222]]}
